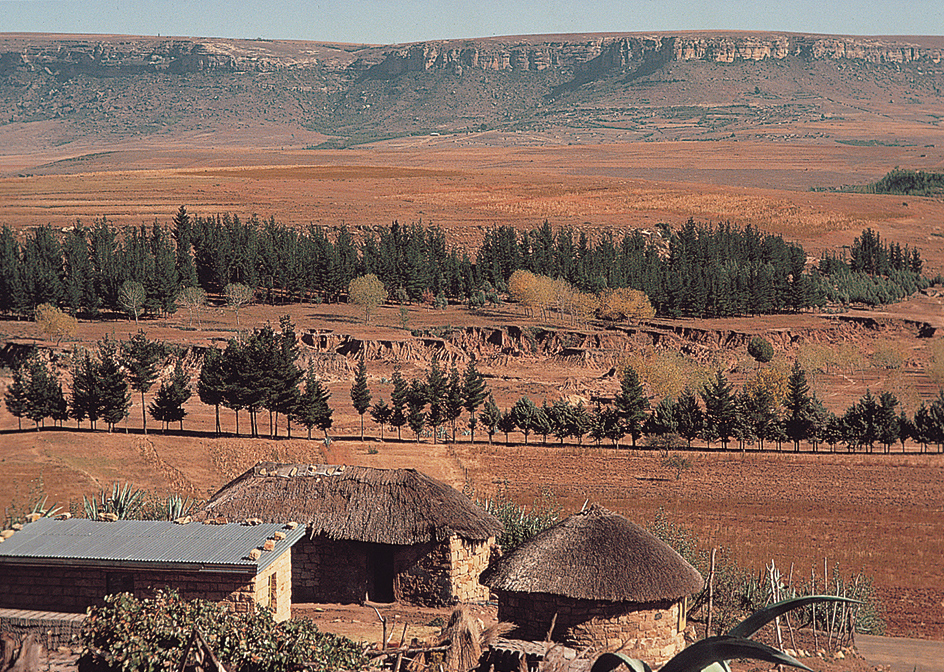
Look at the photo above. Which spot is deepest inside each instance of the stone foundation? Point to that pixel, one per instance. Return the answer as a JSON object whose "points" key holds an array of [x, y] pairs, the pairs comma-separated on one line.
{"points": [[326, 570], [652, 632]]}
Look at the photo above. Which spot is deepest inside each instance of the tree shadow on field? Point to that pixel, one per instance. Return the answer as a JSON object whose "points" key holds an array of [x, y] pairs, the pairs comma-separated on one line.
{"points": [[331, 317]]}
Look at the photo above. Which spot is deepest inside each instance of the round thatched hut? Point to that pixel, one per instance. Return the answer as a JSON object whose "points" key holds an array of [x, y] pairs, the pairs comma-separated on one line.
{"points": [[611, 584], [381, 534]]}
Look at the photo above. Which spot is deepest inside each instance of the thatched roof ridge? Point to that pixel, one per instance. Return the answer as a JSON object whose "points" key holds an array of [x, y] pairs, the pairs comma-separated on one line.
{"points": [[596, 555], [385, 506]]}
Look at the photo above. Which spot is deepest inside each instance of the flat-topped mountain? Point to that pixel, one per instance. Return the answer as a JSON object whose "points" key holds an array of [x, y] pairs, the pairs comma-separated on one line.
{"points": [[123, 86]]}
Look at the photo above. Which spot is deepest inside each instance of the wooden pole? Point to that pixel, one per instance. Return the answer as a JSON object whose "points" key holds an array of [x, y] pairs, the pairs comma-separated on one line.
{"points": [[711, 591]]}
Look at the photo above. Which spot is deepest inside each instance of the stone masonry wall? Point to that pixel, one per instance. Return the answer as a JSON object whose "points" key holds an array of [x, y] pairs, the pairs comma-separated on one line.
{"points": [[650, 632], [423, 574], [325, 570], [469, 559]]}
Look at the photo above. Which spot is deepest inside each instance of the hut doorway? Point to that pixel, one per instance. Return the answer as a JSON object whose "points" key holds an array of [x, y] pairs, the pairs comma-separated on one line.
{"points": [[380, 570]]}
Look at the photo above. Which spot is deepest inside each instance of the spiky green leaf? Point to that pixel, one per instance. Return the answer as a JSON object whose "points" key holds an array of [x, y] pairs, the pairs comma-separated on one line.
{"points": [[702, 654], [607, 662]]}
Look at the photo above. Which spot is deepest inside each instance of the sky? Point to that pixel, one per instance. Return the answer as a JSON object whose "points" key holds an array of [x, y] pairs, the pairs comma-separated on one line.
{"points": [[399, 21]]}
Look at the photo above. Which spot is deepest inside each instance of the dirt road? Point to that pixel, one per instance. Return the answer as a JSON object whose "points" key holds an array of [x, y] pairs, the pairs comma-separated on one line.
{"points": [[902, 655]]}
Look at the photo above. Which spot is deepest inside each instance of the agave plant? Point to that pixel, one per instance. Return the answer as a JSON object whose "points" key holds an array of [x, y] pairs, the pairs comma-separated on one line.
{"points": [[179, 507], [713, 653], [39, 506], [123, 502]]}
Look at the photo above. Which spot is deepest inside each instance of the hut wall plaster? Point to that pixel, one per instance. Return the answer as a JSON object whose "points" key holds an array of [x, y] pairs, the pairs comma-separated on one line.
{"points": [[652, 632], [74, 589]]}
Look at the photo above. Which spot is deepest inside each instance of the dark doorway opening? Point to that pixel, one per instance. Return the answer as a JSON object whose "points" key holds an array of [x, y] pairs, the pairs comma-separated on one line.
{"points": [[381, 572]]}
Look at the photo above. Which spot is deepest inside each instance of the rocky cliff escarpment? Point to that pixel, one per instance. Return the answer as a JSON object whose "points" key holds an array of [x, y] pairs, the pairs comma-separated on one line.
{"points": [[120, 85]]}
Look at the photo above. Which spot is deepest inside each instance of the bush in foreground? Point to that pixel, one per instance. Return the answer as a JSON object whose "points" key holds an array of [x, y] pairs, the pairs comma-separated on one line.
{"points": [[128, 633]]}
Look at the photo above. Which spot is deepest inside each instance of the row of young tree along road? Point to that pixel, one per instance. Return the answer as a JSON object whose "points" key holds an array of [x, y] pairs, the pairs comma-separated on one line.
{"points": [[260, 373]]}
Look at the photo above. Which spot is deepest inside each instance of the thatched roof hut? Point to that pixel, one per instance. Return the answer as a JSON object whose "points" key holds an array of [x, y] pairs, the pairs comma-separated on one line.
{"points": [[380, 506], [596, 555], [608, 580], [391, 533]]}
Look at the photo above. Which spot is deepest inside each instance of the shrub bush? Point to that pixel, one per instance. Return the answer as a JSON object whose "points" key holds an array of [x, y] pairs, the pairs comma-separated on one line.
{"points": [[128, 633], [760, 349], [518, 522]]}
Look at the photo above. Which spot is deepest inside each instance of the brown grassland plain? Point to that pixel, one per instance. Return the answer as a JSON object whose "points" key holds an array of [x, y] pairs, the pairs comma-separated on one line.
{"points": [[880, 514]]}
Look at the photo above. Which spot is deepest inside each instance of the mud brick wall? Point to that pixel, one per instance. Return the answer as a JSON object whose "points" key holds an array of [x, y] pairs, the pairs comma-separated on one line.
{"points": [[272, 588], [652, 632]]}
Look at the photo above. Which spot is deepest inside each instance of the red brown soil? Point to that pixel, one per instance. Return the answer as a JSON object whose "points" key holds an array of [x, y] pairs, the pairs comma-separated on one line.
{"points": [[882, 515]]}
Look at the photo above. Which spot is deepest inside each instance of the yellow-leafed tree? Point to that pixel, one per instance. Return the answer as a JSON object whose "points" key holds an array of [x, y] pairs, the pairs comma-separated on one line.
{"points": [[54, 323], [624, 304], [367, 291]]}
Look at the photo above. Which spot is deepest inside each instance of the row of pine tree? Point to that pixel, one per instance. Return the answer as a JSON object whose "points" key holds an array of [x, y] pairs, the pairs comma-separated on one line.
{"points": [[261, 373], [697, 271]]}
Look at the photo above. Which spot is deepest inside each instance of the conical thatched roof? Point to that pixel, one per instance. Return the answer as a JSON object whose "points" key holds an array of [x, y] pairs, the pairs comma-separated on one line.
{"points": [[596, 555], [384, 506]]}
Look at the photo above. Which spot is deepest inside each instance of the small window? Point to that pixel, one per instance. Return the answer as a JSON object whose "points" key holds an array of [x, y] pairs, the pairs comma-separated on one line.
{"points": [[273, 592], [119, 582]]}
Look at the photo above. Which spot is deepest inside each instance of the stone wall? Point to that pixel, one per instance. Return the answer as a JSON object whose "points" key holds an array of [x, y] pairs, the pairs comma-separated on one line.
{"points": [[272, 588], [326, 570], [74, 589], [469, 559], [653, 632], [52, 629]]}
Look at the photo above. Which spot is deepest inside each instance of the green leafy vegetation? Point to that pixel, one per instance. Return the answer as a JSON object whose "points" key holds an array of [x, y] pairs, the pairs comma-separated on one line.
{"points": [[520, 523], [128, 633], [760, 349], [877, 272], [697, 270]]}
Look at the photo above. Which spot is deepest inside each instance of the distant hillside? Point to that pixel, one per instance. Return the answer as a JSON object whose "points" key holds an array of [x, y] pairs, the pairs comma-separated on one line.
{"points": [[653, 86]]}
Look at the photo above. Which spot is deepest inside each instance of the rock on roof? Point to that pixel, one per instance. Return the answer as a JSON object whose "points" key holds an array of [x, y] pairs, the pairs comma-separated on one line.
{"points": [[384, 506], [596, 555], [147, 543]]}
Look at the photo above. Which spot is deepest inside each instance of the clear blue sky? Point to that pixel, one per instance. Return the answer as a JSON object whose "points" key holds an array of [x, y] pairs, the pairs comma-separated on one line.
{"points": [[393, 21]]}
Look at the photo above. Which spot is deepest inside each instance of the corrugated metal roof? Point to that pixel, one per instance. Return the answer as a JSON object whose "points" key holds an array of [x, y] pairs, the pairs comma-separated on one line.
{"points": [[146, 542]]}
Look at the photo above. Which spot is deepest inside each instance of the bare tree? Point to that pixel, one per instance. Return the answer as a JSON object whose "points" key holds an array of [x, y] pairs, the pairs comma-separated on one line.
{"points": [[131, 296], [237, 296], [193, 298]]}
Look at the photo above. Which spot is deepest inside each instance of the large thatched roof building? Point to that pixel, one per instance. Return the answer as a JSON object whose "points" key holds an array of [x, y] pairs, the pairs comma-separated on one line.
{"points": [[611, 584], [383, 534]]}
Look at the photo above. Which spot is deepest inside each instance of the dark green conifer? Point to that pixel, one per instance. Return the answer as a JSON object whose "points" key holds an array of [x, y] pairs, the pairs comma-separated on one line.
{"points": [[360, 392]]}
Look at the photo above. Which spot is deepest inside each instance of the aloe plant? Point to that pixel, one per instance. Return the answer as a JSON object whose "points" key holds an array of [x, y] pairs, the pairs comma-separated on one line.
{"points": [[713, 653]]}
